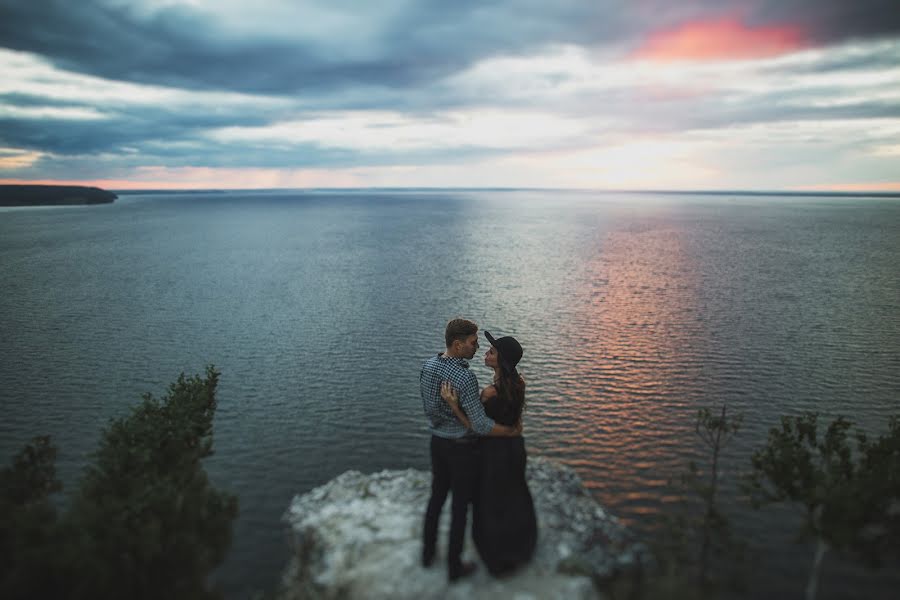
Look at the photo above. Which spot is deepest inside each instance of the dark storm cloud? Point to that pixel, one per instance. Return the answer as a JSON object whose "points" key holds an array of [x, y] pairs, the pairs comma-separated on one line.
{"points": [[247, 156], [182, 48], [30, 100], [92, 136], [63, 137], [842, 20], [777, 111], [710, 113], [886, 56], [175, 140], [175, 48], [178, 48]]}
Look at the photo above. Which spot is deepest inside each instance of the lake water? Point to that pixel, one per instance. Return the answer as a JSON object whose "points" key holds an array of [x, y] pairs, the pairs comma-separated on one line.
{"points": [[634, 311]]}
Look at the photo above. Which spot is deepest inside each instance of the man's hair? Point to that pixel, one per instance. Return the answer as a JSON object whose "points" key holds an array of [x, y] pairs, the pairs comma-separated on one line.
{"points": [[459, 329]]}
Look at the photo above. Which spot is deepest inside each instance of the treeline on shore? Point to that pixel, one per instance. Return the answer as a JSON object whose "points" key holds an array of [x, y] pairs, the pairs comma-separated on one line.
{"points": [[53, 195]]}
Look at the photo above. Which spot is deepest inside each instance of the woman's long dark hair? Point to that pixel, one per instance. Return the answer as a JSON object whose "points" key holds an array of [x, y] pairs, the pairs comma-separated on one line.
{"points": [[510, 391]]}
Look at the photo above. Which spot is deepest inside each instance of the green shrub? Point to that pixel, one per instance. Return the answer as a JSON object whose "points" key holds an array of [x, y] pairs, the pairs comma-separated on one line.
{"points": [[851, 496], [144, 521], [29, 525]]}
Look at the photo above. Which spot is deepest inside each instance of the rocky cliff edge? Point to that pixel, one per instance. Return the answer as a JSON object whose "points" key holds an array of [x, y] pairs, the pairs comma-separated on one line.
{"points": [[359, 536]]}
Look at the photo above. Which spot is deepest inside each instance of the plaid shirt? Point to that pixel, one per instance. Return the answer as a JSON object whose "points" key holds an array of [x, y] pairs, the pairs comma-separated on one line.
{"points": [[441, 420]]}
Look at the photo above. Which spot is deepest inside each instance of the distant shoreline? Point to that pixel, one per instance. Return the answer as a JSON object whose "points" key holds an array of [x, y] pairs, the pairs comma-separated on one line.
{"points": [[53, 195], [49, 195], [799, 194], [163, 191], [767, 193]]}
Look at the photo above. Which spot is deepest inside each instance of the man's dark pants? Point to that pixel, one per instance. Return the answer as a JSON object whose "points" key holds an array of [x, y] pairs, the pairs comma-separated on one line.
{"points": [[454, 468]]}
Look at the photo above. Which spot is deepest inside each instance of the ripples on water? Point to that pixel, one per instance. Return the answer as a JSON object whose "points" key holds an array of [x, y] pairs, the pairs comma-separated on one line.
{"points": [[634, 311]]}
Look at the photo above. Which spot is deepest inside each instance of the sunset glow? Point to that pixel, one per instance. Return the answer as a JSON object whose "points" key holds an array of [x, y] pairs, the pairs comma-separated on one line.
{"points": [[723, 39], [887, 186]]}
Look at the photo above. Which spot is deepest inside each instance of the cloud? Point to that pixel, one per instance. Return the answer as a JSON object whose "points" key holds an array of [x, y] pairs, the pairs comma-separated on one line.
{"points": [[12, 159], [392, 132], [293, 47], [721, 39], [457, 91]]}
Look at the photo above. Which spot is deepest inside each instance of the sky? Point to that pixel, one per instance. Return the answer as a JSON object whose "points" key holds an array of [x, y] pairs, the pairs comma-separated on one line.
{"points": [[799, 95]]}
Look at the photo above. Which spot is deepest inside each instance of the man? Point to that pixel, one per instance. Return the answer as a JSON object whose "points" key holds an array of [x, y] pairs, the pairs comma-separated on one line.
{"points": [[455, 457]]}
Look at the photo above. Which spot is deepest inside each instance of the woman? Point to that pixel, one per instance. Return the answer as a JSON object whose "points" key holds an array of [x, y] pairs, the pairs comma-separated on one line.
{"points": [[504, 526]]}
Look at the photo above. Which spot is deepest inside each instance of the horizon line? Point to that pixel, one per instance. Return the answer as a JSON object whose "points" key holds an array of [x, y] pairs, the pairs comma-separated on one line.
{"points": [[703, 191]]}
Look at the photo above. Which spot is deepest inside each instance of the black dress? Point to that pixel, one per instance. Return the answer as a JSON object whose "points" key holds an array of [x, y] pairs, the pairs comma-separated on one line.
{"points": [[504, 525]]}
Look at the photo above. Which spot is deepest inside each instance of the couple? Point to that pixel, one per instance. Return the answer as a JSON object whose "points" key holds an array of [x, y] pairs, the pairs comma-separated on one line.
{"points": [[477, 453]]}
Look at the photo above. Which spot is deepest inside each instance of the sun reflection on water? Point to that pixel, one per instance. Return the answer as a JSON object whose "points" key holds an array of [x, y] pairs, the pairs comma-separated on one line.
{"points": [[630, 368]]}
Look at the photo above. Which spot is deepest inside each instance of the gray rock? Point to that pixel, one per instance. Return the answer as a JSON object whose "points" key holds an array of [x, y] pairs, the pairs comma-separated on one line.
{"points": [[359, 536]]}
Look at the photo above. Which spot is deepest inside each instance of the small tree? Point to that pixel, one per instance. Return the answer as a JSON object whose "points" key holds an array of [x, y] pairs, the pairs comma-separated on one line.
{"points": [[851, 499], [692, 533], [715, 433], [144, 521], [877, 504], [29, 531]]}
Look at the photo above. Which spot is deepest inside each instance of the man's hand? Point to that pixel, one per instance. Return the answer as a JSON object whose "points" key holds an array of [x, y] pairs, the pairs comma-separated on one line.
{"points": [[506, 430]]}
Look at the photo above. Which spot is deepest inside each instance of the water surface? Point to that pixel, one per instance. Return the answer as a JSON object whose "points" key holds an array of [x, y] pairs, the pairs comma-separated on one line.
{"points": [[318, 308]]}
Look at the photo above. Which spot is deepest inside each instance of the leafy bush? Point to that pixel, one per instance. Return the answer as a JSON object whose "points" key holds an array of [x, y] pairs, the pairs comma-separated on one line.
{"points": [[851, 496], [29, 528], [144, 521]]}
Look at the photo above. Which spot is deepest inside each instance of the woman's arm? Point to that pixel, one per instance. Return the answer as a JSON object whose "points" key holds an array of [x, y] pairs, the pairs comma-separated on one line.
{"points": [[451, 397]]}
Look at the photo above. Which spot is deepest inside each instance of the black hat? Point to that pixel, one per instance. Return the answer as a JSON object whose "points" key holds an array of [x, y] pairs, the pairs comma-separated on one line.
{"points": [[510, 350]]}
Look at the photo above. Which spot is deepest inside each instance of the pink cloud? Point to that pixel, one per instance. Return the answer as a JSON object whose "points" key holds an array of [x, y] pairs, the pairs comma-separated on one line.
{"points": [[722, 39]]}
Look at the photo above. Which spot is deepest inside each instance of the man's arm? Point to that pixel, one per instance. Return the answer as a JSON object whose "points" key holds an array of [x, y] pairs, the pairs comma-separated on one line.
{"points": [[504, 431], [471, 405]]}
